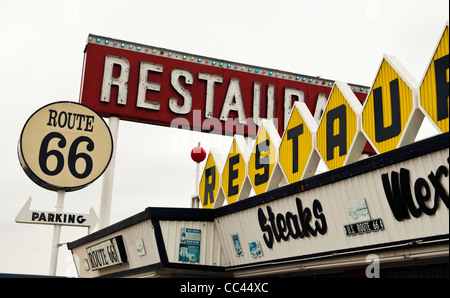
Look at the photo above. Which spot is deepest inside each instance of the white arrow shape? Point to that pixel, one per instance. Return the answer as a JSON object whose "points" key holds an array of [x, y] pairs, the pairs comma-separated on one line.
{"points": [[56, 218]]}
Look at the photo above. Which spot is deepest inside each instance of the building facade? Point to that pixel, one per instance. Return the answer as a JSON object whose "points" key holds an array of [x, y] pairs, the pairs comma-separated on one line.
{"points": [[384, 216]]}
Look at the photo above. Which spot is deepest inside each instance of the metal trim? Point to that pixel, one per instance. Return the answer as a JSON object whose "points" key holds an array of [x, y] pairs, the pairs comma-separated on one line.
{"points": [[214, 62]]}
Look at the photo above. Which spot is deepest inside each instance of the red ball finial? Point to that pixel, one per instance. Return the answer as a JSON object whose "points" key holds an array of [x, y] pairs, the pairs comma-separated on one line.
{"points": [[198, 154]]}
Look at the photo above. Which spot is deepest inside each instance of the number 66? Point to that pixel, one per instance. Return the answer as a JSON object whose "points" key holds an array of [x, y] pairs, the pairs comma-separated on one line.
{"points": [[73, 157]]}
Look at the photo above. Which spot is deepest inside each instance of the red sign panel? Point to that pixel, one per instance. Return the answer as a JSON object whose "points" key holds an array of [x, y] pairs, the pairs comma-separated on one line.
{"points": [[158, 86]]}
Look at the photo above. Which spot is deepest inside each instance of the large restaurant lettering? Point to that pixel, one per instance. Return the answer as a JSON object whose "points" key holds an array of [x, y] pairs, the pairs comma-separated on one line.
{"points": [[399, 195], [388, 118], [283, 226], [158, 86]]}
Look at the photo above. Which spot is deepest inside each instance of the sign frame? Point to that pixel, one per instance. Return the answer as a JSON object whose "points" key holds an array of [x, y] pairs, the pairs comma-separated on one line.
{"points": [[341, 96], [368, 226], [210, 195], [230, 174], [119, 251], [409, 125], [305, 168]]}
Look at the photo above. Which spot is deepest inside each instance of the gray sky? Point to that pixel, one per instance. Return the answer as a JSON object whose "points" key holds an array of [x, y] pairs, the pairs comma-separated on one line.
{"points": [[41, 50]]}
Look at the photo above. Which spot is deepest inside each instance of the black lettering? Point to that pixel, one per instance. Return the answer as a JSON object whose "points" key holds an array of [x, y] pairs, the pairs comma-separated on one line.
{"points": [[105, 261], [233, 174], [80, 219], [210, 182], [305, 216], [68, 121], [420, 185], [442, 92], [268, 236], [71, 218], [281, 226], [405, 192], [340, 139], [91, 259], [400, 199], [98, 258], [262, 163], [293, 226], [394, 197], [318, 213], [80, 119], [385, 133], [42, 217], [52, 118], [34, 216], [439, 189], [58, 218], [63, 122], [71, 120], [51, 217], [273, 224], [292, 134], [44, 154], [94, 259], [89, 123]]}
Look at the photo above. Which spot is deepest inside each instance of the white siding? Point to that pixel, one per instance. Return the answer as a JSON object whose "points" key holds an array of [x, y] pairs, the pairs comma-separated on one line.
{"points": [[333, 198], [143, 230], [210, 248]]}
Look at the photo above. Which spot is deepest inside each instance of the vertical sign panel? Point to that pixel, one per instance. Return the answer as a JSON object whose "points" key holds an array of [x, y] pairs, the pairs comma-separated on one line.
{"points": [[235, 172], [210, 189], [388, 106], [296, 145], [263, 159], [337, 130], [434, 90]]}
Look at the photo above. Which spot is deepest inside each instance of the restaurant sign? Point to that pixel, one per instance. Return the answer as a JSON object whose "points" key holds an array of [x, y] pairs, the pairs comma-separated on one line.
{"points": [[390, 118], [107, 253], [153, 85], [404, 199], [65, 146]]}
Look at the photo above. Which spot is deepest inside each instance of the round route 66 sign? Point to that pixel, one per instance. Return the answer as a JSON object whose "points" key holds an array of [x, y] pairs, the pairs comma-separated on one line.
{"points": [[65, 146]]}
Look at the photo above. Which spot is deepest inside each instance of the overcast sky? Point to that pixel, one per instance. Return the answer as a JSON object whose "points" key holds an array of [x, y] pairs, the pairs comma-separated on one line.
{"points": [[41, 52]]}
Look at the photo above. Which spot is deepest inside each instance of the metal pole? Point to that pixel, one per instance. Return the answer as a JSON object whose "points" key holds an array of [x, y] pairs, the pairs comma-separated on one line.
{"points": [[197, 171], [194, 199], [108, 178], [56, 234]]}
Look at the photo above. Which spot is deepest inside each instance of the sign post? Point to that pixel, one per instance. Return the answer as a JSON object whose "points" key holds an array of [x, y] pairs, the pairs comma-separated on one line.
{"points": [[198, 154], [56, 218], [108, 177], [56, 235], [64, 146]]}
